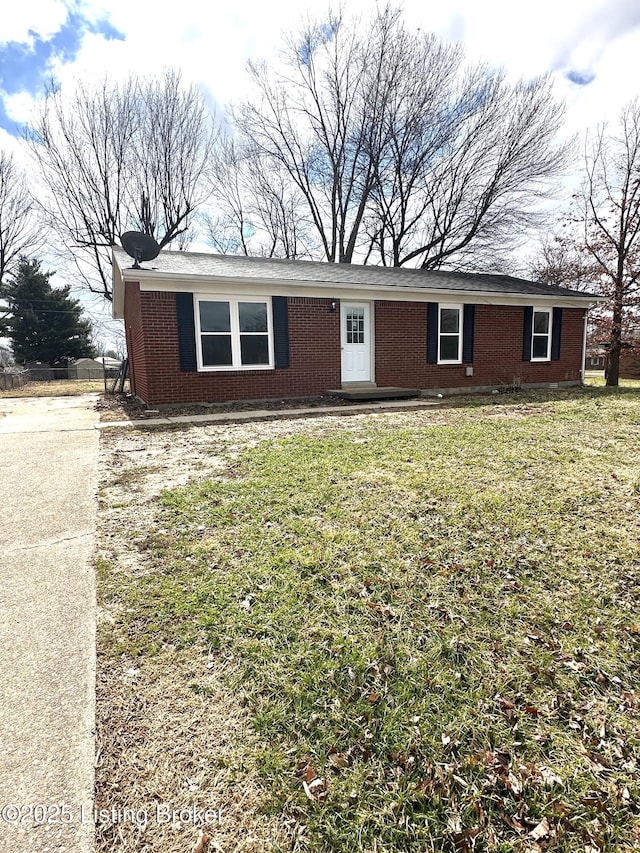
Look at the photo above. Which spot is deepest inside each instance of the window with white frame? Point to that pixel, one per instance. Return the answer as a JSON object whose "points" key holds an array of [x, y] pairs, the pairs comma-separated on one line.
{"points": [[541, 335], [355, 325], [450, 334], [234, 334]]}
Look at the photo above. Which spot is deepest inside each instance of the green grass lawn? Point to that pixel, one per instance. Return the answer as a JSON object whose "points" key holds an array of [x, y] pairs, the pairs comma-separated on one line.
{"points": [[434, 626]]}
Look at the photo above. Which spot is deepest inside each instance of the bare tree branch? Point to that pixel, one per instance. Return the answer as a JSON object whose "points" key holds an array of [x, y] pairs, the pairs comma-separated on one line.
{"points": [[21, 234], [601, 243], [400, 153], [610, 212], [120, 156], [20, 231], [257, 208]]}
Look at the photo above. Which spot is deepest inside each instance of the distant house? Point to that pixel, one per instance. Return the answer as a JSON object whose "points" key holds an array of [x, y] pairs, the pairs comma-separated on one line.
{"points": [[93, 368], [595, 358], [205, 327], [41, 372]]}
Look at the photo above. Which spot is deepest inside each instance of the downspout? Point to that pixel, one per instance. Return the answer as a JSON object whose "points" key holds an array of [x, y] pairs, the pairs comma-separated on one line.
{"points": [[584, 348]]}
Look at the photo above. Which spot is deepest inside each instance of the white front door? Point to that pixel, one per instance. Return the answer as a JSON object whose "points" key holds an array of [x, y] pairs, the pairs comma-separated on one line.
{"points": [[355, 324]]}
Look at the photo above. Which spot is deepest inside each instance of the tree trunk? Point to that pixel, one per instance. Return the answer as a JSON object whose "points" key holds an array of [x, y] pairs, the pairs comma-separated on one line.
{"points": [[613, 361]]}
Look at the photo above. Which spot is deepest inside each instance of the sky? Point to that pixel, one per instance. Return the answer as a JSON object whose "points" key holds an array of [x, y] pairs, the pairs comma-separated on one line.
{"points": [[590, 47]]}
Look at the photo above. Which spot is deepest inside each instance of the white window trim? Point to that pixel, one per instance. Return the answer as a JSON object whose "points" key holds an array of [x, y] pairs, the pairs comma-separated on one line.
{"points": [[459, 309], [549, 312], [233, 301]]}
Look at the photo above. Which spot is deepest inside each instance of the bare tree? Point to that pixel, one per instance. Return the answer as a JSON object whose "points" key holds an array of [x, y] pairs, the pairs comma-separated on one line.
{"points": [[598, 247], [610, 209], [228, 228], [471, 193], [560, 261], [310, 121], [257, 209], [399, 152], [119, 156], [20, 231]]}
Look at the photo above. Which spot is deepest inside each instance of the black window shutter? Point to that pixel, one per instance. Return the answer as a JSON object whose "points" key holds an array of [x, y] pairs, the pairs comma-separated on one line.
{"points": [[527, 333], [556, 334], [186, 331], [280, 330], [468, 321], [432, 332]]}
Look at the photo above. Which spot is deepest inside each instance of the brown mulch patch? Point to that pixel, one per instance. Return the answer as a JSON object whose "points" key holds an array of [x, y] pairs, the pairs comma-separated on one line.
{"points": [[120, 407]]}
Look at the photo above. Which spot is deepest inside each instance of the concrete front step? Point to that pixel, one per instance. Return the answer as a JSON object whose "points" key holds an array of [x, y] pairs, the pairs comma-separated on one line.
{"points": [[371, 392]]}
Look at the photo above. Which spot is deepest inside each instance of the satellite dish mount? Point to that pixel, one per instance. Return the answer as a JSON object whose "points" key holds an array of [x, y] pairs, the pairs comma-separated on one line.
{"points": [[139, 246]]}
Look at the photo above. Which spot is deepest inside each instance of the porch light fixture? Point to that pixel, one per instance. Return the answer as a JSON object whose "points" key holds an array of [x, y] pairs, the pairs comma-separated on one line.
{"points": [[332, 307]]}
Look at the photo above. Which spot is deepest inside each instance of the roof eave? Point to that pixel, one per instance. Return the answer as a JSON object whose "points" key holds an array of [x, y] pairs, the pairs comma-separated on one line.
{"points": [[143, 275], [117, 289]]}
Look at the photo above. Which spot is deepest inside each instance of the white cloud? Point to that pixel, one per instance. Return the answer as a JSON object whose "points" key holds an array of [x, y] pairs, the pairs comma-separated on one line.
{"points": [[11, 145], [615, 84], [44, 17], [591, 35], [19, 107]]}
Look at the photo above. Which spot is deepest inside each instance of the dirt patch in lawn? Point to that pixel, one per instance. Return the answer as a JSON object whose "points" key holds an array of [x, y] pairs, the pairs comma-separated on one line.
{"points": [[169, 752], [515, 411]]}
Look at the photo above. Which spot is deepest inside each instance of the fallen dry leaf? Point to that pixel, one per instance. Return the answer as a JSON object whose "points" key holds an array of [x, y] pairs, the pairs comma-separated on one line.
{"points": [[541, 830], [338, 759], [202, 843], [549, 778], [308, 774], [381, 609], [316, 790]]}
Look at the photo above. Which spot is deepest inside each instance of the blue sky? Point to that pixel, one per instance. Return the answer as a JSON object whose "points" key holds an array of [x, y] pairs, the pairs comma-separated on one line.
{"points": [[590, 47], [35, 41], [26, 65]]}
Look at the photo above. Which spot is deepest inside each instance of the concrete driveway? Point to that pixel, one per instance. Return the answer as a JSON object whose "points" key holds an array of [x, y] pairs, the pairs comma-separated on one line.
{"points": [[48, 482]]}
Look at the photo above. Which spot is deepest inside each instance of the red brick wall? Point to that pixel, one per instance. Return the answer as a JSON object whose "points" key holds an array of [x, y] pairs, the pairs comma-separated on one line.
{"points": [[314, 349], [401, 334], [314, 358]]}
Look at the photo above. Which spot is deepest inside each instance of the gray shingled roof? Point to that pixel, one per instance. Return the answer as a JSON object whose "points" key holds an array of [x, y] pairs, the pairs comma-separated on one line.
{"points": [[203, 264]]}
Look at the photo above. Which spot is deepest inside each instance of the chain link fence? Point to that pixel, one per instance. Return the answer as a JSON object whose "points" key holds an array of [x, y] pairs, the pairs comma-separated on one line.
{"points": [[11, 379], [17, 376]]}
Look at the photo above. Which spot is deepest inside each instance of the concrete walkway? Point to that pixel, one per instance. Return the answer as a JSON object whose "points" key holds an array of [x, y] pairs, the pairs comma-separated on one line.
{"points": [[48, 482], [240, 415]]}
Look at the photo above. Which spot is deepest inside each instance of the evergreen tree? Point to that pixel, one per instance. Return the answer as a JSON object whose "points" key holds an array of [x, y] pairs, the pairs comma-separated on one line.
{"points": [[45, 324]]}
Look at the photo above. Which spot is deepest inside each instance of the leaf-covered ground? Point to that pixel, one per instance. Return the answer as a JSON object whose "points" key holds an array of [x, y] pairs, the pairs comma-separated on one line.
{"points": [[428, 622]]}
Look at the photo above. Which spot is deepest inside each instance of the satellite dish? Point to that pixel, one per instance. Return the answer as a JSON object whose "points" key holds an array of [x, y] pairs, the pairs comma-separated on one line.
{"points": [[141, 247]]}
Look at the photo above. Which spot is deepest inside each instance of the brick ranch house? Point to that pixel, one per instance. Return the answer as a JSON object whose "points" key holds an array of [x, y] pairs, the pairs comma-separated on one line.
{"points": [[209, 328]]}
